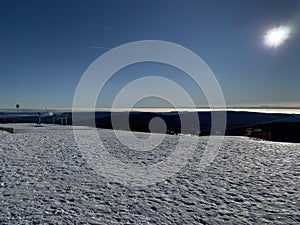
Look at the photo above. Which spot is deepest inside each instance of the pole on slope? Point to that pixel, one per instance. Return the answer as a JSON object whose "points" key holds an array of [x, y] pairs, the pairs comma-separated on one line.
{"points": [[40, 115], [17, 107]]}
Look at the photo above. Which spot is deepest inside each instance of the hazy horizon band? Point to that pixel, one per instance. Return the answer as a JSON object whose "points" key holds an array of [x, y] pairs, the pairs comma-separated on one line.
{"points": [[283, 110]]}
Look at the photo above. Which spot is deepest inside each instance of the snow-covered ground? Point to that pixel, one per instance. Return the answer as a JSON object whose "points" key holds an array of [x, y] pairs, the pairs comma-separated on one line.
{"points": [[44, 178]]}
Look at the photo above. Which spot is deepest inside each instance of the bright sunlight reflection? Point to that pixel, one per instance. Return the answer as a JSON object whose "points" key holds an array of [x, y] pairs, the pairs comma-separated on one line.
{"points": [[277, 36]]}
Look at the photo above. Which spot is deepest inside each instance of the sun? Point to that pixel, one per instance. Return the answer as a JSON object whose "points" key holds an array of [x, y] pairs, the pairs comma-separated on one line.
{"points": [[277, 36]]}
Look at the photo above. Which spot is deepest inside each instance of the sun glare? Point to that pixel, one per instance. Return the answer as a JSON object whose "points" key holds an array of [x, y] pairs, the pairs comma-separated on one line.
{"points": [[277, 36]]}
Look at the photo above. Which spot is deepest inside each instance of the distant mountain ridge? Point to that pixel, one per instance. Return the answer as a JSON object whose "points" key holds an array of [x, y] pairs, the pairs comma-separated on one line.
{"points": [[283, 127]]}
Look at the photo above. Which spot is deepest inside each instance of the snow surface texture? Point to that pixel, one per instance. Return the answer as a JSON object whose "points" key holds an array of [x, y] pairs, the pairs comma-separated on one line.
{"points": [[44, 178]]}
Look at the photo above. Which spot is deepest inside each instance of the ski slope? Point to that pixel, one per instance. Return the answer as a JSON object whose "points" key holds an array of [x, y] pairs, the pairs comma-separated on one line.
{"points": [[45, 178]]}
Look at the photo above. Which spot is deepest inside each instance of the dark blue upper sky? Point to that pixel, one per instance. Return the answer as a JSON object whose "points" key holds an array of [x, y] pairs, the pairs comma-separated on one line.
{"points": [[45, 47]]}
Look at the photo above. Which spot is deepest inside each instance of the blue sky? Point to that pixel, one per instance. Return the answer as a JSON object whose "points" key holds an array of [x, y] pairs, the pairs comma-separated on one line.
{"points": [[45, 47]]}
